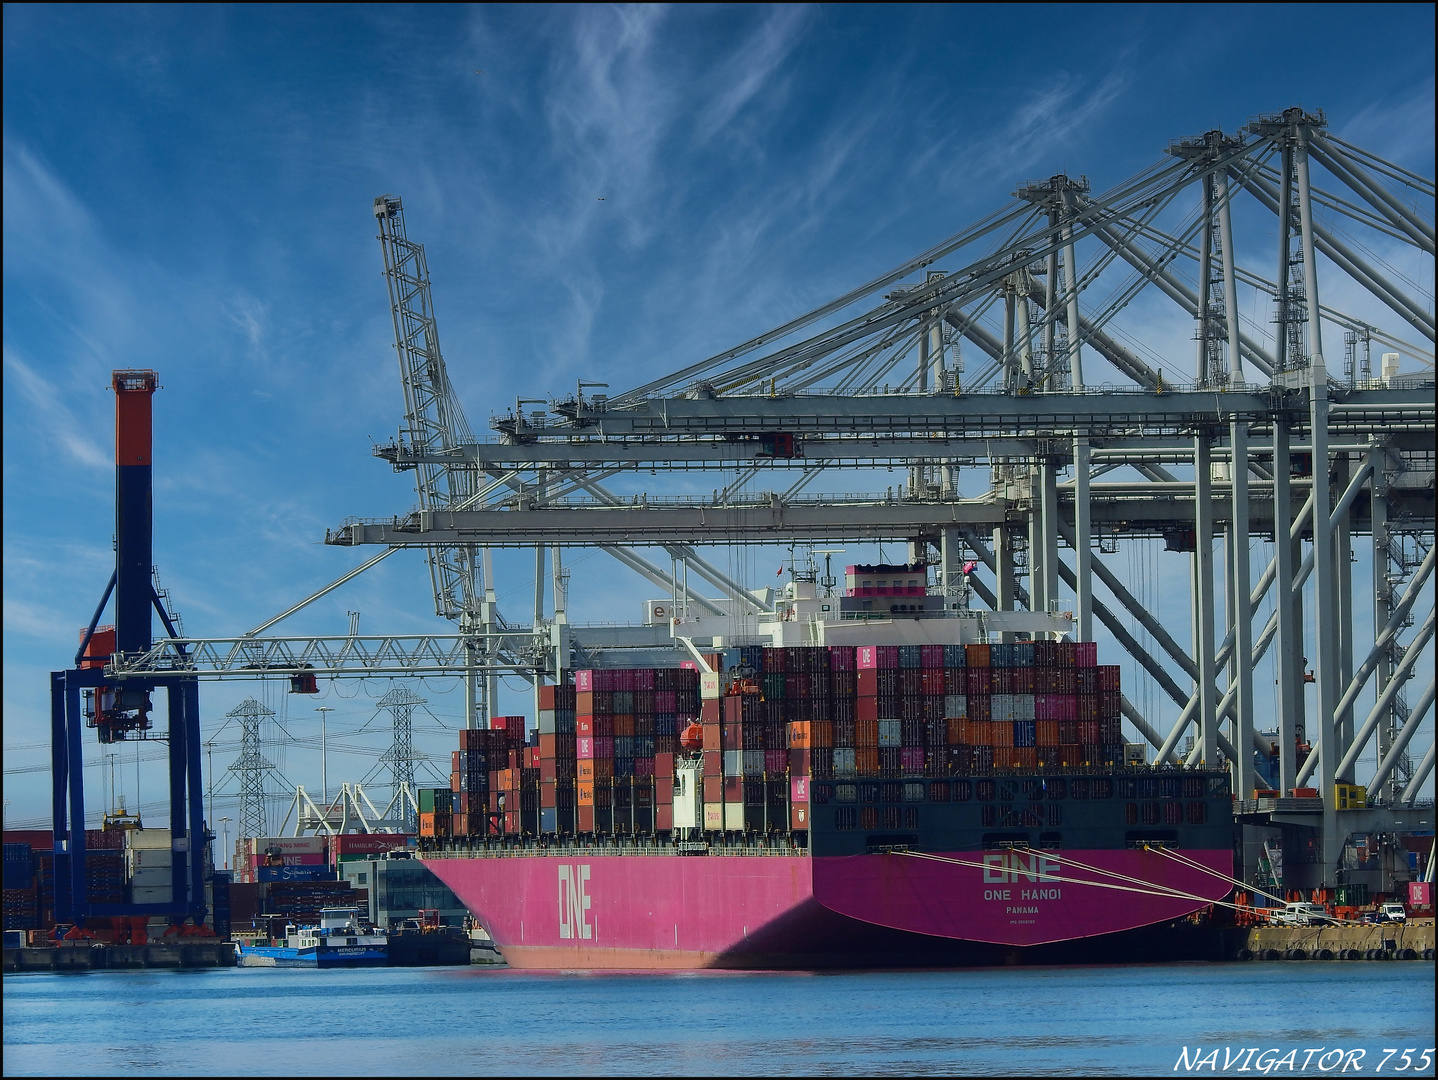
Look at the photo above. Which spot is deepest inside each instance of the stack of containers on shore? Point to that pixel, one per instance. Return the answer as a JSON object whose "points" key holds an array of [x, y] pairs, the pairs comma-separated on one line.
{"points": [[258, 859], [22, 909], [558, 768], [627, 723], [357, 847], [29, 884]]}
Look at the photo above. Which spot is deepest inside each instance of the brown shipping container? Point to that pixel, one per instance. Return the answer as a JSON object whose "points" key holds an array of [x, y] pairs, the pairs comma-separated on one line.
{"points": [[713, 738], [713, 789]]}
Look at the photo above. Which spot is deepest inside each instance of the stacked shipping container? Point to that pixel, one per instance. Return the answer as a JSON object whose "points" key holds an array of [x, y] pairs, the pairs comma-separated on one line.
{"points": [[778, 717]]}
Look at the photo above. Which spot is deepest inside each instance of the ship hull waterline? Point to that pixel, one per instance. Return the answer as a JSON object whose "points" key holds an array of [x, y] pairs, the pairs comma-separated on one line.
{"points": [[672, 912]]}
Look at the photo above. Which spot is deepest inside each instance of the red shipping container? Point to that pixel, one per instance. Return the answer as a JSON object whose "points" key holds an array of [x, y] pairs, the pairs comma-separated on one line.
{"points": [[664, 764], [799, 762], [799, 816], [664, 816], [368, 843], [583, 725], [713, 765], [711, 711], [584, 818], [713, 789], [454, 781]]}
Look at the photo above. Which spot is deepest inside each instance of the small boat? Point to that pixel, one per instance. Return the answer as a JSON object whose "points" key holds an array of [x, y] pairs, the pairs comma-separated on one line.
{"points": [[340, 940]]}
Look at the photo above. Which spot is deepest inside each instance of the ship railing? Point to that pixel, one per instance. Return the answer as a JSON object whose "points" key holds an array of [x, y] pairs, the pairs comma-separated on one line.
{"points": [[781, 844]]}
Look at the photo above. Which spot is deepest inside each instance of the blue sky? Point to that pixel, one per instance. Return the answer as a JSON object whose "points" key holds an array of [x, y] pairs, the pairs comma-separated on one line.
{"points": [[189, 189]]}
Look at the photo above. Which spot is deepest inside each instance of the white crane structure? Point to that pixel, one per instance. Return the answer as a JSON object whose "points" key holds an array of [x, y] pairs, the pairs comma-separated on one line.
{"points": [[1081, 432]]}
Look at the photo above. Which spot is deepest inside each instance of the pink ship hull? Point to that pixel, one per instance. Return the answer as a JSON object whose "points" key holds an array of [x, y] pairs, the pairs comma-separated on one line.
{"points": [[668, 911]]}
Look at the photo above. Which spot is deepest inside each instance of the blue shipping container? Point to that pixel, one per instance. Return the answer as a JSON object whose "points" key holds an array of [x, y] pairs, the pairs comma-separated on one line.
{"points": [[294, 873]]}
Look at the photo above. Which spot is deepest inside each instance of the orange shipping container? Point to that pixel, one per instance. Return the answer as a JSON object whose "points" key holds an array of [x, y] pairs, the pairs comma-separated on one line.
{"points": [[977, 655], [866, 759], [584, 702], [1001, 732], [426, 824], [799, 735], [1047, 733], [866, 735], [586, 793]]}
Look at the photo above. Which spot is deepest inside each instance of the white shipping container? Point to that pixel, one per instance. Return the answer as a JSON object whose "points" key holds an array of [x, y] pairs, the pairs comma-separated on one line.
{"points": [[733, 762], [145, 861], [154, 878], [753, 763], [1023, 706], [709, 685], [289, 845], [546, 721], [150, 895], [147, 838], [734, 816], [890, 733], [956, 705], [843, 761]]}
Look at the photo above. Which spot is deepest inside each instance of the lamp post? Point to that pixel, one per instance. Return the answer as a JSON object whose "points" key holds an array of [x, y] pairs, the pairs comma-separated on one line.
{"points": [[324, 767], [225, 841]]}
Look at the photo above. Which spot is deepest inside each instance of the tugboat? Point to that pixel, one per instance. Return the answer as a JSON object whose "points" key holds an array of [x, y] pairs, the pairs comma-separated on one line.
{"points": [[340, 940]]}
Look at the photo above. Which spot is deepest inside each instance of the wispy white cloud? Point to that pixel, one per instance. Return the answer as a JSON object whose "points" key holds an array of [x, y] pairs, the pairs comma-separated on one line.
{"points": [[1047, 122], [50, 419], [749, 69]]}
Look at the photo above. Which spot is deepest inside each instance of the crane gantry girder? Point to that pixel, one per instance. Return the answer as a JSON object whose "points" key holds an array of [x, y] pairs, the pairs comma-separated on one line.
{"points": [[838, 388]]}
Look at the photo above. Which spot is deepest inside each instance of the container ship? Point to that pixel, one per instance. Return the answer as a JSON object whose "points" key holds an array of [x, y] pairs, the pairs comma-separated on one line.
{"points": [[834, 805]]}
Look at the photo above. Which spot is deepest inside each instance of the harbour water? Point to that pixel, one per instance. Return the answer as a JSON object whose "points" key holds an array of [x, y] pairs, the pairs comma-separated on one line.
{"points": [[1138, 1020]]}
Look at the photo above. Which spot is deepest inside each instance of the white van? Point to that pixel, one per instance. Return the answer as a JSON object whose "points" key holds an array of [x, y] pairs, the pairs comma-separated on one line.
{"points": [[1393, 911], [1301, 915]]}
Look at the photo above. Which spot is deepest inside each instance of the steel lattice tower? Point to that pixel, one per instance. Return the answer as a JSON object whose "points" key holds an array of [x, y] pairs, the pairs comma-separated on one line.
{"points": [[251, 766], [401, 702]]}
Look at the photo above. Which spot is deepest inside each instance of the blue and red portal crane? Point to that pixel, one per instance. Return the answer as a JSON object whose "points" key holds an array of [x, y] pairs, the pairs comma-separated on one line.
{"points": [[118, 709]]}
